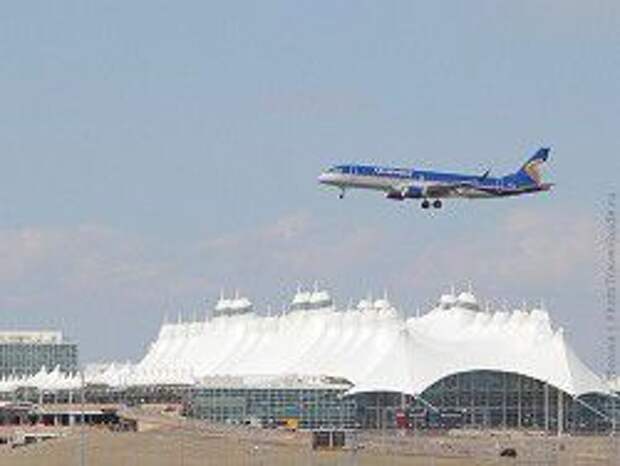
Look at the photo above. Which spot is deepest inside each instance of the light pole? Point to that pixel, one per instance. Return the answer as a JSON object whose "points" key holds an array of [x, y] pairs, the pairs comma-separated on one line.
{"points": [[82, 420]]}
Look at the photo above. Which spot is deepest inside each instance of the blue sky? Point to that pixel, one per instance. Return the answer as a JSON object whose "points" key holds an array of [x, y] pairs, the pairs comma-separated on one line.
{"points": [[155, 152]]}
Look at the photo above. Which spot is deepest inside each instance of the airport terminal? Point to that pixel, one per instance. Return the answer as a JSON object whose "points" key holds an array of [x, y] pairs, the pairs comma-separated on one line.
{"points": [[314, 366]]}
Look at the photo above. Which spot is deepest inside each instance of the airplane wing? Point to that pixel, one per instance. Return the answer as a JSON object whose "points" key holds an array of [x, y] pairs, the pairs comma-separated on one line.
{"points": [[463, 189], [403, 190], [472, 189], [438, 190], [447, 189]]}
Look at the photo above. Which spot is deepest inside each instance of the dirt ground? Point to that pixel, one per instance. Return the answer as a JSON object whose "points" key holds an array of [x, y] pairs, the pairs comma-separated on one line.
{"points": [[169, 440], [183, 448]]}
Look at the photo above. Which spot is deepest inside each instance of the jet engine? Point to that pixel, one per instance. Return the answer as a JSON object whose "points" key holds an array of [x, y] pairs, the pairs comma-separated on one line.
{"points": [[395, 196], [411, 192]]}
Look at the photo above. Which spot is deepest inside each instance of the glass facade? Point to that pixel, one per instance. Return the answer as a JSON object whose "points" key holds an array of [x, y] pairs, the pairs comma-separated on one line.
{"points": [[488, 399], [28, 358], [470, 400], [303, 408]]}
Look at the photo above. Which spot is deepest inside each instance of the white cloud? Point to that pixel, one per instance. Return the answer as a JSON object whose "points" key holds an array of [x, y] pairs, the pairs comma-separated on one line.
{"points": [[101, 278], [547, 247], [528, 249], [77, 256], [295, 245]]}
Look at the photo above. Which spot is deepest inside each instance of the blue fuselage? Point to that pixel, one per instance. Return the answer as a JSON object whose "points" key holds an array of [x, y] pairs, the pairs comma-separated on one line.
{"points": [[411, 183]]}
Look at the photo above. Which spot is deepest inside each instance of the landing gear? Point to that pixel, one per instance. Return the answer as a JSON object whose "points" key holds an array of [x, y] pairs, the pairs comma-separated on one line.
{"points": [[341, 195], [426, 204]]}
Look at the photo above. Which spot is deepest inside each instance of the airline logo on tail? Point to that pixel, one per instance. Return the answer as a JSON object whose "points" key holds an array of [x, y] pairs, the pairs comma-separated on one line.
{"points": [[532, 166]]}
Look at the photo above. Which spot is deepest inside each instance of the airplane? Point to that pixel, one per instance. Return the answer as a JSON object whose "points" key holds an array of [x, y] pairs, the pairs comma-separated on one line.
{"points": [[399, 184]]}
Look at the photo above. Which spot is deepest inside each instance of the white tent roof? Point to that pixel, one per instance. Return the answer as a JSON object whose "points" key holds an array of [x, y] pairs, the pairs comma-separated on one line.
{"points": [[373, 348], [53, 380]]}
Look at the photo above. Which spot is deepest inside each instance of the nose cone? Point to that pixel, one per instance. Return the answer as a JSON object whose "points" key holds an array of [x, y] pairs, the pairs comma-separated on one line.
{"points": [[328, 178]]}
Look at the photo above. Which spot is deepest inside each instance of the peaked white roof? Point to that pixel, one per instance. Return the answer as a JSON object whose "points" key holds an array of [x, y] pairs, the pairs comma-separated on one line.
{"points": [[301, 297], [42, 380], [372, 347]]}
